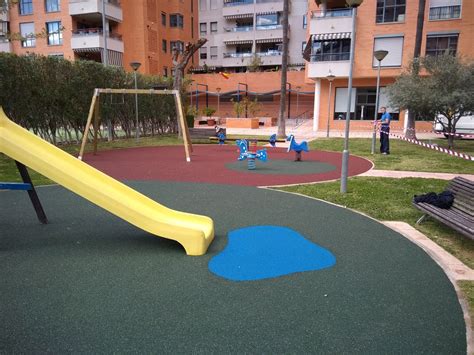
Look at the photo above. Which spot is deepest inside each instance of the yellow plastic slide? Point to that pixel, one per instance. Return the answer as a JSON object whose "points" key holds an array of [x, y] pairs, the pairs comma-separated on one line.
{"points": [[193, 232]]}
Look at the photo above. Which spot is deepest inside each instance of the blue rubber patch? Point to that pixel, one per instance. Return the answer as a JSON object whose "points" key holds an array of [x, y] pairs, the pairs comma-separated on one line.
{"points": [[262, 252]]}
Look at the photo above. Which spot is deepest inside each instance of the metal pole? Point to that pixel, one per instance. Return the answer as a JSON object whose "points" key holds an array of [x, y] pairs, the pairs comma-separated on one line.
{"points": [[345, 153], [329, 107], [289, 99], [374, 133], [104, 34], [197, 98], [137, 130]]}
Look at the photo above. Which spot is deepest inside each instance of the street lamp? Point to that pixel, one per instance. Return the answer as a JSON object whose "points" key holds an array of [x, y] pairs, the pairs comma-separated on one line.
{"points": [[379, 55], [354, 4], [218, 99], [330, 78], [135, 66]]}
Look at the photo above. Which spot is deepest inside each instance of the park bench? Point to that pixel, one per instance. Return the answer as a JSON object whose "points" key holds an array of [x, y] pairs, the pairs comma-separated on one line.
{"points": [[203, 133], [460, 216]]}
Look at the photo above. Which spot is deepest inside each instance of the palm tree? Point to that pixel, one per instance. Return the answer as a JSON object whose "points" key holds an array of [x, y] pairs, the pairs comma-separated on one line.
{"points": [[410, 133], [284, 68]]}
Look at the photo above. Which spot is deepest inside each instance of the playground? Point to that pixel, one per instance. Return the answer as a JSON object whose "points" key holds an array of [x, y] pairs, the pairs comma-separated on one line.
{"points": [[279, 273]]}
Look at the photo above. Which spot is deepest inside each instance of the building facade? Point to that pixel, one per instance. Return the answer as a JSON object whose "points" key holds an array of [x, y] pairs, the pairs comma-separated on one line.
{"points": [[136, 30], [244, 33], [380, 25]]}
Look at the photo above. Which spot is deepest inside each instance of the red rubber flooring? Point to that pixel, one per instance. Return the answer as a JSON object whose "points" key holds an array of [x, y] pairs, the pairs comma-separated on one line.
{"points": [[208, 165]]}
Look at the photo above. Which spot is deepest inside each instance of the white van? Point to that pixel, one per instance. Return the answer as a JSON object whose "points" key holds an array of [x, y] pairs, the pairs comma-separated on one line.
{"points": [[465, 124]]}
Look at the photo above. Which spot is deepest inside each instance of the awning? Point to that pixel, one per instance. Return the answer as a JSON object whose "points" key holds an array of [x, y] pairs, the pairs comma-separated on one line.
{"points": [[242, 41], [266, 12], [236, 16], [87, 50], [270, 40], [331, 36]]}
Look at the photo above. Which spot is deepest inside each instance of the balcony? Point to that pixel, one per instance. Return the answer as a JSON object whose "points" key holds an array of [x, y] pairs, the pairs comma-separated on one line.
{"points": [[242, 7], [319, 70], [271, 57], [264, 33], [92, 38], [331, 21], [5, 46], [93, 8]]}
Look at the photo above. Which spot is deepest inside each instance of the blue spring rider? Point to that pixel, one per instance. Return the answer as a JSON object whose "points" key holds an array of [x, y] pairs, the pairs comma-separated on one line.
{"points": [[297, 147], [250, 152]]}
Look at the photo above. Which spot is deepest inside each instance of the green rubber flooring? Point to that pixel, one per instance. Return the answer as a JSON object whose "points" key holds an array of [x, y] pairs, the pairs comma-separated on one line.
{"points": [[90, 283]]}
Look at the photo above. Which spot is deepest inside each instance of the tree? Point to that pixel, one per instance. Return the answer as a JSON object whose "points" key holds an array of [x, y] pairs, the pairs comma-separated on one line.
{"points": [[411, 133], [284, 68], [180, 61], [445, 91]]}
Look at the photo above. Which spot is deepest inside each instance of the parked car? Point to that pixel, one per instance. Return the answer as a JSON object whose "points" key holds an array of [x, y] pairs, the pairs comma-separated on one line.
{"points": [[465, 125]]}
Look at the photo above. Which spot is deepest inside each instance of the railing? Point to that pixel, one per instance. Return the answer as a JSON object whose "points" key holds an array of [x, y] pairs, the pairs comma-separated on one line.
{"points": [[445, 12], [333, 13], [111, 2], [269, 53], [330, 57], [239, 29], [267, 1], [269, 27], [237, 55], [94, 32], [238, 2]]}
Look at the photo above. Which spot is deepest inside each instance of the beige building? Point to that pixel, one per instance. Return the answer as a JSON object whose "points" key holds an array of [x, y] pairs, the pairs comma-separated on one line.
{"points": [[238, 30]]}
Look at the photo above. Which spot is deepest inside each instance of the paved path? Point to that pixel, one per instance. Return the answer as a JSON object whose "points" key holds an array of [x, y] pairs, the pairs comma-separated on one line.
{"points": [[417, 174]]}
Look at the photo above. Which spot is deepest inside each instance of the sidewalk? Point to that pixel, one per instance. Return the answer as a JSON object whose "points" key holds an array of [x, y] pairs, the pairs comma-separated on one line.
{"points": [[417, 174]]}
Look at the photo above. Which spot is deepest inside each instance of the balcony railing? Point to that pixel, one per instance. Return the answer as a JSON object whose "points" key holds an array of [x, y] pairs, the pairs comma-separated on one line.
{"points": [[94, 32], [271, 53], [330, 57], [238, 2], [333, 13], [445, 12], [239, 29], [237, 55], [269, 27]]}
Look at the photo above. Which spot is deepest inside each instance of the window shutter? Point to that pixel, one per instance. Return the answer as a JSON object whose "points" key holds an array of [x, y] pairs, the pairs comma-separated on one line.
{"points": [[440, 3], [394, 46]]}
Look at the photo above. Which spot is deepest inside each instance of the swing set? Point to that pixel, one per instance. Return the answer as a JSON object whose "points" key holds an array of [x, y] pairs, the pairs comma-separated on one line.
{"points": [[94, 119]]}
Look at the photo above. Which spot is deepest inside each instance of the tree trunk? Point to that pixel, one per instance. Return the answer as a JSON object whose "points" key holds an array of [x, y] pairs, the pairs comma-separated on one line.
{"points": [[284, 68], [410, 132]]}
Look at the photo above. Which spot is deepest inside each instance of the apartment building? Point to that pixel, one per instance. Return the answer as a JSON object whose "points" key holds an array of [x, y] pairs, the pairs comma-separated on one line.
{"points": [[238, 31], [380, 25], [136, 30]]}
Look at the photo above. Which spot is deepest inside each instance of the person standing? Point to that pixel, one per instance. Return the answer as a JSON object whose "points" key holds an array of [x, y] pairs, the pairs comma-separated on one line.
{"points": [[384, 131]]}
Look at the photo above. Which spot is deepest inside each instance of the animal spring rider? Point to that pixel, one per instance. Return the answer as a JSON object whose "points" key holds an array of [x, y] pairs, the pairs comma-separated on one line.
{"points": [[248, 150], [297, 147]]}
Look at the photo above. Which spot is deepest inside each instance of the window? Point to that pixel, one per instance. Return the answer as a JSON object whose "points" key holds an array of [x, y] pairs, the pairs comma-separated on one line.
{"points": [[56, 55], [4, 28], [176, 44], [164, 45], [52, 5], [328, 51], [213, 27], [203, 53], [214, 5], [203, 28], [445, 9], [27, 31], [394, 46], [442, 43], [55, 34], [176, 20], [25, 7], [202, 5], [305, 21], [213, 52], [390, 11], [303, 46], [268, 21], [163, 18], [165, 71]]}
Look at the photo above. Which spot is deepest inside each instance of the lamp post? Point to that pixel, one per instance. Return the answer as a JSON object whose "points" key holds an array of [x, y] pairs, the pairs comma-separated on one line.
{"points": [[330, 78], [354, 4], [298, 88], [379, 55], [135, 66], [218, 99]]}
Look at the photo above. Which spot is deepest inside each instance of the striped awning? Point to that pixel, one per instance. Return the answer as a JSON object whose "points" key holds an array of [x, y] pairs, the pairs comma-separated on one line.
{"points": [[269, 40], [266, 12], [331, 36], [236, 16], [88, 50], [242, 41]]}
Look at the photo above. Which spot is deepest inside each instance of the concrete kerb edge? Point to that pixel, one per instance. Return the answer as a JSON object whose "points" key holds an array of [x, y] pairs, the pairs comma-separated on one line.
{"points": [[432, 253]]}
